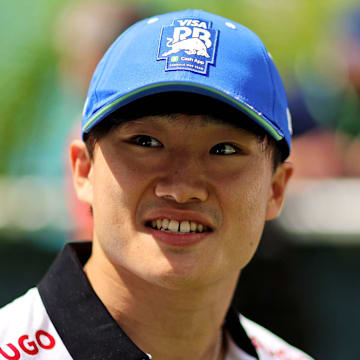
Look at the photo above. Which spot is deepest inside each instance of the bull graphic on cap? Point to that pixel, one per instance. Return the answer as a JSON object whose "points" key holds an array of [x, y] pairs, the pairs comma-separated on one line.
{"points": [[192, 46], [188, 44]]}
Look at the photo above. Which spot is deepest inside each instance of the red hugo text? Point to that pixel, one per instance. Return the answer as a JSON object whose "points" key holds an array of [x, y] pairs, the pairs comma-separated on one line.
{"points": [[28, 345]]}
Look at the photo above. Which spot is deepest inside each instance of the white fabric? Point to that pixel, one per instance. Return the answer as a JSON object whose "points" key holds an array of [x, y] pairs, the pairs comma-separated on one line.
{"points": [[270, 346], [26, 331]]}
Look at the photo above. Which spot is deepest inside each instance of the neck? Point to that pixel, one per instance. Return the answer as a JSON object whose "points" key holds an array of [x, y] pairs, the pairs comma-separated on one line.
{"points": [[166, 323]]}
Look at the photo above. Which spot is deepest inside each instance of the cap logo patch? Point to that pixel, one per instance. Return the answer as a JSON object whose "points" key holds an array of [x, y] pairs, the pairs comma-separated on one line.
{"points": [[188, 44]]}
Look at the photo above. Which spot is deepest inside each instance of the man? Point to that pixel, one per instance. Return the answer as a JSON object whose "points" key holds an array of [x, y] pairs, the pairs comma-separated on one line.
{"points": [[186, 130]]}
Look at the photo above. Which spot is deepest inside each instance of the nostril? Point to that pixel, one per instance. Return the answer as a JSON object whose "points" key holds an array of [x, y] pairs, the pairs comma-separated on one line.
{"points": [[168, 197], [181, 190]]}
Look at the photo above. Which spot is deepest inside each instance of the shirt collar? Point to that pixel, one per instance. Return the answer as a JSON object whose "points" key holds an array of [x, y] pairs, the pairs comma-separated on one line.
{"points": [[86, 328]]}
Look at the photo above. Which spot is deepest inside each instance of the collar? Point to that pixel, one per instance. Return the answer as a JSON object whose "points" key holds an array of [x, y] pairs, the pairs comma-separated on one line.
{"points": [[86, 328]]}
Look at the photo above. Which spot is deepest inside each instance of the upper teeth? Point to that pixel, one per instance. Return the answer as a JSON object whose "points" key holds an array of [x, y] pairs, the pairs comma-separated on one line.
{"points": [[176, 226]]}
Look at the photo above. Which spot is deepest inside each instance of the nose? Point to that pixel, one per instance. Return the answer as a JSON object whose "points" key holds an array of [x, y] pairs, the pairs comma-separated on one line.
{"points": [[183, 181]]}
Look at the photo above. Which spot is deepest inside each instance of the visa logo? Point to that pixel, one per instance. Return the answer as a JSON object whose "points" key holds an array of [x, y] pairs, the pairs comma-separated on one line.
{"points": [[192, 22]]}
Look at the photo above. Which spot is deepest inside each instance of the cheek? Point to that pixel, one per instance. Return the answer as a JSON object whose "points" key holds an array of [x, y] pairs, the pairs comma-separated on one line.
{"points": [[118, 185], [111, 204], [244, 204], [246, 193], [113, 210]]}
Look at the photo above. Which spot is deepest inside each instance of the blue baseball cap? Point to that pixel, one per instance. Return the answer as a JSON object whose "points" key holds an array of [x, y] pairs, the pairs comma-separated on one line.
{"points": [[191, 51]]}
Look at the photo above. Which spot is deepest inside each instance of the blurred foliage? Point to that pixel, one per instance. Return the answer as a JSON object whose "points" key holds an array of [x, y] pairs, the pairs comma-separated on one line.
{"points": [[28, 61]]}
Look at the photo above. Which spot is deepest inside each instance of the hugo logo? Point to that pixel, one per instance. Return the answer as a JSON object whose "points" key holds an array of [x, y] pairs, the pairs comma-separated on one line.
{"points": [[191, 44], [29, 346]]}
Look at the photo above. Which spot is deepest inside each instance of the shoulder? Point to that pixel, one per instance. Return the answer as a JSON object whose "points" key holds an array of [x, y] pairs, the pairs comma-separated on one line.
{"points": [[268, 345], [26, 330], [20, 313]]}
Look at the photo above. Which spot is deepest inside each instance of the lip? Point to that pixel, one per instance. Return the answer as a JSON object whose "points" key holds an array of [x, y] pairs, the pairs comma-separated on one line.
{"points": [[177, 240]]}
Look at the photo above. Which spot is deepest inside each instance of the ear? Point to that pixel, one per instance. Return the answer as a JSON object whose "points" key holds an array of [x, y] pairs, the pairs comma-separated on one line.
{"points": [[81, 165], [278, 186]]}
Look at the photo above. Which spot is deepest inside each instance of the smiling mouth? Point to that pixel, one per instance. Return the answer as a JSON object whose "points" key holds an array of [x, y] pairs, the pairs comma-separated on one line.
{"points": [[178, 227]]}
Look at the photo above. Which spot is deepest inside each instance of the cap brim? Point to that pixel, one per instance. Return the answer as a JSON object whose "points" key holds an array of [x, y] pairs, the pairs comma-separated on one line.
{"points": [[189, 87]]}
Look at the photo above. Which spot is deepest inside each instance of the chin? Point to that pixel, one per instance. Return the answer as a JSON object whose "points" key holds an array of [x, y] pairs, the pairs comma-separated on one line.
{"points": [[177, 273]]}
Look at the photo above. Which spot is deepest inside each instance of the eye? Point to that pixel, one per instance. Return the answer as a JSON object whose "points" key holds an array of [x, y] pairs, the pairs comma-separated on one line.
{"points": [[224, 149], [146, 141]]}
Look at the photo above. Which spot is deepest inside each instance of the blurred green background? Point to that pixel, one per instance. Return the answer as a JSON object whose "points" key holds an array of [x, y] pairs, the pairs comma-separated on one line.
{"points": [[28, 64], [303, 282]]}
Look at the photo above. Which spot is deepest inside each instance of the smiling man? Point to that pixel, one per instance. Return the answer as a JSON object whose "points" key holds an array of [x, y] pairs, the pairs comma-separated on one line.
{"points": [[185, 135]]}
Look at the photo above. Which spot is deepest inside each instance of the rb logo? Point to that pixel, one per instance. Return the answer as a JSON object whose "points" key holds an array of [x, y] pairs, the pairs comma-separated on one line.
{"points": [[194, 43]]}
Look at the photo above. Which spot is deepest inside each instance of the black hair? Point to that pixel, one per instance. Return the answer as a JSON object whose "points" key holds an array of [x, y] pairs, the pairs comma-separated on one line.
{"points": [[165, 104]]}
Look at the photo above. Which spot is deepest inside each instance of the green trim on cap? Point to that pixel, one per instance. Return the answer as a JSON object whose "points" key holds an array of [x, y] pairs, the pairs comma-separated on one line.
{"points": [[245, 107]]}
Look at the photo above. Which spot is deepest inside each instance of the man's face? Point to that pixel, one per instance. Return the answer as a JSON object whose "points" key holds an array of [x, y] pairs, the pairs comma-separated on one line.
{"points": [[181, 200]]}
